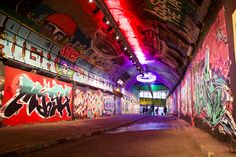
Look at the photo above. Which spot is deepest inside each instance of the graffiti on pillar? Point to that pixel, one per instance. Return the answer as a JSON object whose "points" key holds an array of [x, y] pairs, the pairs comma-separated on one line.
{"points": [[170, 103], [129, 106], [212, 97], [118, 105], [186, 100], [109, 104], [184, 105], [30, 98], [88, 103]]}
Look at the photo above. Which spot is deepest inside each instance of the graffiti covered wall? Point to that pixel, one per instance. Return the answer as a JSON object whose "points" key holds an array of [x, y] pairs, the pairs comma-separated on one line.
{"points": [[2, 81], [88, 103], [23, 45], [129, 106], [117, 105], [30, 98], [186, 100], [109, 104], [170, 103], [209, 83]]}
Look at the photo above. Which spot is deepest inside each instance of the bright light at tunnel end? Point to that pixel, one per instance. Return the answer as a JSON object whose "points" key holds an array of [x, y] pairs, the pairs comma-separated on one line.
{"points": [[146, 78]]}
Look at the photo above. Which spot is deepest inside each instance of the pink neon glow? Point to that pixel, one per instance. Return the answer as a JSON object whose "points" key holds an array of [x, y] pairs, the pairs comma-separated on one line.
{"points": [[124, 23]]}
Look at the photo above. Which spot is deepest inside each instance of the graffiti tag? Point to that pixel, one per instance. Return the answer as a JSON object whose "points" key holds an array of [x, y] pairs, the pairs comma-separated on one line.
{"points": [[46, 101]]}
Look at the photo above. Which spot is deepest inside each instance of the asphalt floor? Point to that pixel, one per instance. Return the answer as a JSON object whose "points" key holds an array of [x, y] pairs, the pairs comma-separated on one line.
{"points": [[27, 139]]}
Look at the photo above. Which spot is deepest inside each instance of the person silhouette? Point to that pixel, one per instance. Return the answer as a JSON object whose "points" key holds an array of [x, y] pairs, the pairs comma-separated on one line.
{"points": [[165, 111]]}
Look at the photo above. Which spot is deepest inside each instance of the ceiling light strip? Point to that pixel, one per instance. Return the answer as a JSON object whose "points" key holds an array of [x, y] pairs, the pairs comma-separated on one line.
{"points": [[109, 16]]}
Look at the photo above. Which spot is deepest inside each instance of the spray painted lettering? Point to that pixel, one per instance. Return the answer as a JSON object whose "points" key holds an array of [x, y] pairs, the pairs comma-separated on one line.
{"points": [[45, 101], [177, 15]]}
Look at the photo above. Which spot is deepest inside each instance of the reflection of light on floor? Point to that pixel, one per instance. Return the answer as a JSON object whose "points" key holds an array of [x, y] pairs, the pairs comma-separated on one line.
{"points": [[124, 24], [144, 127]]}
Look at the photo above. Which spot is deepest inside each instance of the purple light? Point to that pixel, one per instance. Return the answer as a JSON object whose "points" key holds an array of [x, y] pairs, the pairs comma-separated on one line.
{"points": [[147, 77]]}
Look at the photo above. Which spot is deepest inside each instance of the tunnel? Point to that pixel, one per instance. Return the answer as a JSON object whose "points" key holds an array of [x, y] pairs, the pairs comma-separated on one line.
{"points": [[77, 61]]}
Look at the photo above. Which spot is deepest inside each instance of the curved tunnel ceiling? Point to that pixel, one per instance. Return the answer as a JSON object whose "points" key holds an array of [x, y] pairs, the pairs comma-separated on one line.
{"points": [[161, 34]]}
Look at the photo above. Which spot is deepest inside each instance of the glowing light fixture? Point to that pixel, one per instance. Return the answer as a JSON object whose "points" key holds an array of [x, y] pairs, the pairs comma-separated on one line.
{"points": [[120, 82], [125, 24], [146, 77], [90, 1]]}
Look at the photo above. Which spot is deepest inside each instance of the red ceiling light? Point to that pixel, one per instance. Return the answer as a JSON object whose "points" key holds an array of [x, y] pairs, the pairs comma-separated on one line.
{"points": [[117, 37], [125, 25]]}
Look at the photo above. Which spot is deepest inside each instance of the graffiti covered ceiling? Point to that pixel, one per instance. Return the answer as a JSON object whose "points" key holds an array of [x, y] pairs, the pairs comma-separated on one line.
{"points": [[161, 33]]}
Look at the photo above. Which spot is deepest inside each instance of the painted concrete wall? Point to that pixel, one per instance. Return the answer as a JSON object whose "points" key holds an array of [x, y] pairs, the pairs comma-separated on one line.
{"points": [[129, 106], [204, 96], [26, 46], [31, 98], [88, 103]]}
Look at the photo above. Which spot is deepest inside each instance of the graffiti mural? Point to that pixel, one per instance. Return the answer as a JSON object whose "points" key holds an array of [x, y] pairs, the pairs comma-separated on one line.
{"points": [[186, 99], [59, 27], [178, 100], [25, 46], [175, 104], [88, 103], [129, 106], [30, 98], [160, 44], [117, 105], [184, 105], [109, 105], [212, 97], [170, 104], [176, 13], [189, 92], [64, 67]]}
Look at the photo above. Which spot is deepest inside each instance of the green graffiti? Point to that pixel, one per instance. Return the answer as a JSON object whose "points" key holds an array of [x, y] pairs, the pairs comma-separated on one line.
{"points": [[30, 87], [213, 94]]}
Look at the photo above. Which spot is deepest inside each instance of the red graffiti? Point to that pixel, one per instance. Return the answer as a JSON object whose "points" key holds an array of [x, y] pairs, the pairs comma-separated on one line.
{"points": [[69, 53]]}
